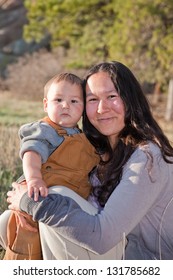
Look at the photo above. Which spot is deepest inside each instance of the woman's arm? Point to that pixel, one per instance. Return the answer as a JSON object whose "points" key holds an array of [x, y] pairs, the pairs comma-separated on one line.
{"points": [[140, 186]]}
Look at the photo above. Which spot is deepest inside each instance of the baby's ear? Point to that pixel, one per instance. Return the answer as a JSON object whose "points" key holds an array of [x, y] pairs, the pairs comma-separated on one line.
{"points": [[45, 104]]}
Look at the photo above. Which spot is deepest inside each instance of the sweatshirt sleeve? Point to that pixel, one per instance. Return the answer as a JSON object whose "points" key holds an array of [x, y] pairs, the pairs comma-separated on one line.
{"points": [[40, 138], [141, 183]]}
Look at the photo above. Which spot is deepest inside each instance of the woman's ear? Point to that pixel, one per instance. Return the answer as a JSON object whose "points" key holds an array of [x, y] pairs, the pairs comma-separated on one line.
{"points": [[45, 104]]}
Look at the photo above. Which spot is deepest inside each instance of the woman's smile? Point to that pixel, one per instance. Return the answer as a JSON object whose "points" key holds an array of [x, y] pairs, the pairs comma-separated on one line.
{"points": [[106, 119]]}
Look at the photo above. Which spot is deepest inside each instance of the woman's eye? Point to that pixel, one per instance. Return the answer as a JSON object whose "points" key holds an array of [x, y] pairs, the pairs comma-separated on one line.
{"points": [[112, 96], [91, 100]]}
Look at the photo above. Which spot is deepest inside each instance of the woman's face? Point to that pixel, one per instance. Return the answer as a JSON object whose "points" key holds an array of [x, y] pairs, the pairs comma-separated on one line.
{"points": [[104, 107]]}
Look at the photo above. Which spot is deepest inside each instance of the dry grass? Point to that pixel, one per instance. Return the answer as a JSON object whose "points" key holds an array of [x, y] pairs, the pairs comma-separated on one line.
{"points": [[15, 111], [10, 164], [27, 77], [9, 147]]}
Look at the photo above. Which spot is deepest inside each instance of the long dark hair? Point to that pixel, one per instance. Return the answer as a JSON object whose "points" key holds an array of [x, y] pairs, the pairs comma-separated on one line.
{"points": [[140, 126]]}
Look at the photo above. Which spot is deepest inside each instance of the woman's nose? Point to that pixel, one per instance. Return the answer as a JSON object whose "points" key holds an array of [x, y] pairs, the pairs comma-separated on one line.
{"points": [[102, 107]]}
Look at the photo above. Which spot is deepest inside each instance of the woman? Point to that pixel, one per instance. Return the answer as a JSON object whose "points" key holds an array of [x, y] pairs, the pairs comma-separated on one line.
{"points": [[133, 182]]}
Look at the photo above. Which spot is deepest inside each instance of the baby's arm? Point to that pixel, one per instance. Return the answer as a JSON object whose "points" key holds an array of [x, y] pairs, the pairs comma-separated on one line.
{"points": [[32, 171]]}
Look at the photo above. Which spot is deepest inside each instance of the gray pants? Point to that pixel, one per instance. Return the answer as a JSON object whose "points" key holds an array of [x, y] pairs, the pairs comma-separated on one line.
{"points": [[56, 247]]}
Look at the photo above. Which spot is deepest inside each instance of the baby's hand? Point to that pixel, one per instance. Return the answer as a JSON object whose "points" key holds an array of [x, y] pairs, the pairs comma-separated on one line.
{"points": [[37, 186]]}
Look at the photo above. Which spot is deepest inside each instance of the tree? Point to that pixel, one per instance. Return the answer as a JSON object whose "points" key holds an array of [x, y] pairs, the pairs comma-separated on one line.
{"points": [[136, 32], [146, 37], [75, 24]]}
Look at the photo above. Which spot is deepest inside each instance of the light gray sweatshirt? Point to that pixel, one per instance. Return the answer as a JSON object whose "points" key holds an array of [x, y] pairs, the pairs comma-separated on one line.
{"points": [[141, 207]]}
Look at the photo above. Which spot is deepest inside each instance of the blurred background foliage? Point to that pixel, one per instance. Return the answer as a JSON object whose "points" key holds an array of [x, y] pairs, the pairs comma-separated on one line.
{"points": [[136, 32]]}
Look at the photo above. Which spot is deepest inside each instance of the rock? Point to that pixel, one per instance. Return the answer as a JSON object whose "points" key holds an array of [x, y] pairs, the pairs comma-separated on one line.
{"points": [[12, 19], [12, 45]]}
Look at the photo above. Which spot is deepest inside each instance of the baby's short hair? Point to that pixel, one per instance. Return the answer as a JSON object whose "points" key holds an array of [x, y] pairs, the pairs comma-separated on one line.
{"points": [[69, 77]]}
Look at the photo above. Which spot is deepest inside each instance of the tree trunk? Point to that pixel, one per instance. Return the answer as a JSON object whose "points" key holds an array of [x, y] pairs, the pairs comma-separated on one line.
{"points": [[169, 108], [156, 93]]}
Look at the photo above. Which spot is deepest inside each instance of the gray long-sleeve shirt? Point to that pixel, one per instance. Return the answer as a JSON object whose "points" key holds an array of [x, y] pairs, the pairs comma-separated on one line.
{"points": [[141, 206]]}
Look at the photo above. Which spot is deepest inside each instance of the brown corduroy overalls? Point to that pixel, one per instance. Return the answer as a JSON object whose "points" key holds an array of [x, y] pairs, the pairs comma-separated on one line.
{"points": [[69, 166]]}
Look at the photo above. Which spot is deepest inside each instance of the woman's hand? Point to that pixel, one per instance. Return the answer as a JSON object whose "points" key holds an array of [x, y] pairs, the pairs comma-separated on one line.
{"points": [[14, 196]]}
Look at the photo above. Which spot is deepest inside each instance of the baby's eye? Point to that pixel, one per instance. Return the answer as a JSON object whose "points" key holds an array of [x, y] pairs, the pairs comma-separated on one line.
{"points": [[59, 100], [74, 101]]}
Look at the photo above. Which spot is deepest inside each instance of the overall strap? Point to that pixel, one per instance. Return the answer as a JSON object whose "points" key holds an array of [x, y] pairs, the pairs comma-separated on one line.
{"points": [[58, 128]]}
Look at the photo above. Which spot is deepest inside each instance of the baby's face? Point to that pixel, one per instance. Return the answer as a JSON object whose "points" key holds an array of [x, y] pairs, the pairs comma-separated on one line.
{"points": [[64, 103]]}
